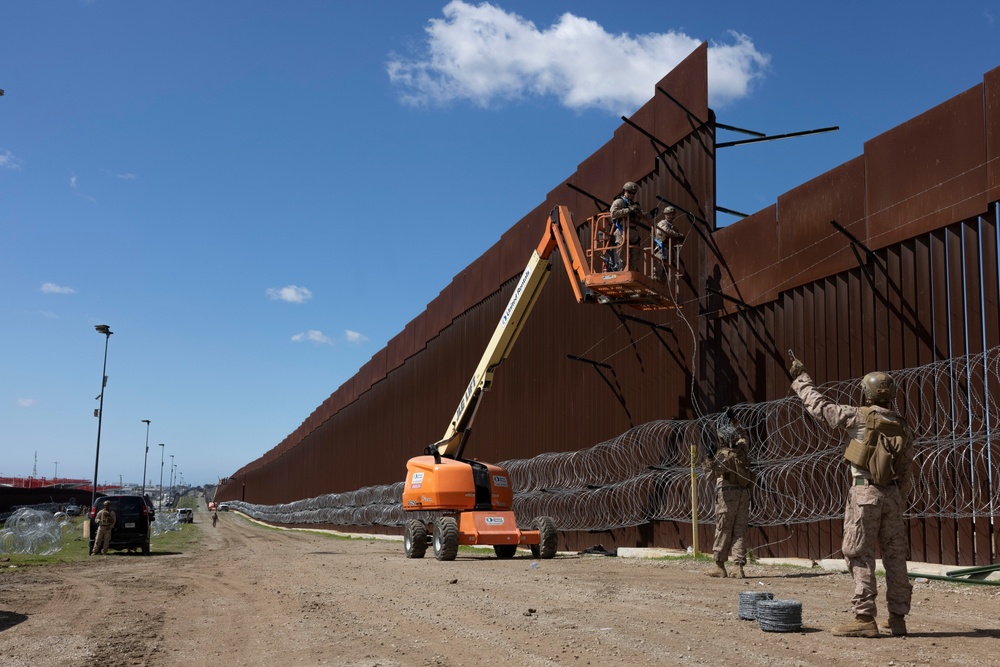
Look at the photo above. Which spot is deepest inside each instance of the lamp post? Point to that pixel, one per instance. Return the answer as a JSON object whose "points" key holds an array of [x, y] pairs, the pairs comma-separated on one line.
{"points": [[171, 478], [55, 475], [101, 329], [159, 497], [144, 457]]}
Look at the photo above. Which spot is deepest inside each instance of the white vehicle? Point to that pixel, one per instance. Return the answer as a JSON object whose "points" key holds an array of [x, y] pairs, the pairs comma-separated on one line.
{"points": [[185, 515]]}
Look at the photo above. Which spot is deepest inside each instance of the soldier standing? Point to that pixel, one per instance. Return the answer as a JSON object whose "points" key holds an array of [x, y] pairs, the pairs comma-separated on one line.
{"points": [[733, 479], [663, 231], [878, 450], [105, 521], [625, 214]]}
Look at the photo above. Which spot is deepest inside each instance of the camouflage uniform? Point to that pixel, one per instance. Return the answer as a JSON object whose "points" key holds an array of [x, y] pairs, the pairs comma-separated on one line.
{"points": [[732, 509], [663, 231], [105, 520], [625, 213], [874, 513]]}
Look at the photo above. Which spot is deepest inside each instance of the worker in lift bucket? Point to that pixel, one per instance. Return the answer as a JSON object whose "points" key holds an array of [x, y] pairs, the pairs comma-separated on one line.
{"points": [[663, 233], [625, 216]]}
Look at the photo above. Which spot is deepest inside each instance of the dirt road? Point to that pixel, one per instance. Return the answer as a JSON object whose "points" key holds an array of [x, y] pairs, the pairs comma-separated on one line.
{"points": [[248, 595]]}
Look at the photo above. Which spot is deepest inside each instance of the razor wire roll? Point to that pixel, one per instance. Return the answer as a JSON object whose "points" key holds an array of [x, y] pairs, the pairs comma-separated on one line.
{"points": [[748, 600], [779, 615]]}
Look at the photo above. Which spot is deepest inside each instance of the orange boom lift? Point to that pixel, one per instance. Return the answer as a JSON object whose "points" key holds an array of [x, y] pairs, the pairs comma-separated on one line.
{"points": [[473, 501]]}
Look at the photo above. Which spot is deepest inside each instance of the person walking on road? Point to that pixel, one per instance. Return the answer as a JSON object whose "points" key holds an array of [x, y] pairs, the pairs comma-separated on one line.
{"points": [[215, 519], [878, 449]]}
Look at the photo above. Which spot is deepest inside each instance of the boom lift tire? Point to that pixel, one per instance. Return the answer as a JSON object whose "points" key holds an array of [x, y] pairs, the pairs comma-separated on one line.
{"points": [[505, 550], [548, 538], [415, 538], [445, 538]]}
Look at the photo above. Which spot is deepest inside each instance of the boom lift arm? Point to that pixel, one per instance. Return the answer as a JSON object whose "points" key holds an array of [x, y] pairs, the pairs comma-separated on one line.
{"points": [[472, 500], [559, 232]]}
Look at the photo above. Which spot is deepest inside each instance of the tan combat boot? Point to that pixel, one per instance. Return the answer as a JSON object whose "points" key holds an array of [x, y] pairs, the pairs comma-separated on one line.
{"points": [[740, 574], [896, 624], [863, 625], [719, 571]]}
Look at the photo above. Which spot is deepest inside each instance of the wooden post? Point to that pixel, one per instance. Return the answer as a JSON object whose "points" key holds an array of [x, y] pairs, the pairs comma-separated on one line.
{"points": [[694, 499]]}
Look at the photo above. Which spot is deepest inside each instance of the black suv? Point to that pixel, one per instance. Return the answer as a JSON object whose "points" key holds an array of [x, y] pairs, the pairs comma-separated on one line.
{"points": [[133, 515]]}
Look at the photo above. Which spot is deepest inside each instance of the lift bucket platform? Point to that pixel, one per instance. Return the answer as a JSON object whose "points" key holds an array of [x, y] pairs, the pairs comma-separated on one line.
{"points": [[644, 277]]}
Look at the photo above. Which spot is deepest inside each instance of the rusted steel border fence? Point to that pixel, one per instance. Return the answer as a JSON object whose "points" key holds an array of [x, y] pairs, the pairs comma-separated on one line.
{"points": [[887, 262]]}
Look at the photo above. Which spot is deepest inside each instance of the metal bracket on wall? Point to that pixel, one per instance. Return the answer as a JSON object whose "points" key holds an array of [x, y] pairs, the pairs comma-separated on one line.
{"points": [[597, 366], [666, 147], [855, 244], [732, 128], [651, 325], [744, 306], [732, 212], [774, 137], [691, 118], [657, 328]]}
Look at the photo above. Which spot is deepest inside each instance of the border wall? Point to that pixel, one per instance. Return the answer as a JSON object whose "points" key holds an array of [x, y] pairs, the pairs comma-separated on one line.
{"points": [[886, 262]]}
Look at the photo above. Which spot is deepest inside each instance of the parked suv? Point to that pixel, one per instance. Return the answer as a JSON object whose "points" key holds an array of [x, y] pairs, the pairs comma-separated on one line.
{"points": [[185, 515], [132, 530]]}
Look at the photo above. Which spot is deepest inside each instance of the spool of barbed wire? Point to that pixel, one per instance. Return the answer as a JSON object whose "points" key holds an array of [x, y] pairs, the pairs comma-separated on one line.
{"points": [[779, 615], [748, 603]]}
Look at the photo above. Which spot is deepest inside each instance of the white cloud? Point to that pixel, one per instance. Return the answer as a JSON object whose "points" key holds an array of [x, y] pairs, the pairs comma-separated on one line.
{"points": [[52, 288], [354, 336], [75, 187], [8, 161], [485, 55], [25, 402], [290, 294], [312, 336]]}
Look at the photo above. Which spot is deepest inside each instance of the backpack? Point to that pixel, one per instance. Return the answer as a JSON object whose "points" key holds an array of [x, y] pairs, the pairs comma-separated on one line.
{"points": [[884, 439]]}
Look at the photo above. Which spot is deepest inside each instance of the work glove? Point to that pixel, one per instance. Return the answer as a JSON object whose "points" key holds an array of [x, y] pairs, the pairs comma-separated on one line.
{"points": [[634, 209], [796, 369]]}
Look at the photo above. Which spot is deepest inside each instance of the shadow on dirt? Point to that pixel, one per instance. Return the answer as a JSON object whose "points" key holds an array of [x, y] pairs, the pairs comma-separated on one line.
{"points": [[9, 619], [971, 634]]}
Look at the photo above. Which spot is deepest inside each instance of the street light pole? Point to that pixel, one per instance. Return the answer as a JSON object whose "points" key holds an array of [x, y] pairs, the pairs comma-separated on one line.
{"points": [[55, 475], [144, 457], [101, 329], [159, 497], [171, 478]]}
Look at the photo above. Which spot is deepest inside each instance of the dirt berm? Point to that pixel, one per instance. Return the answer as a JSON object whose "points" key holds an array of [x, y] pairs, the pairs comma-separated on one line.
{"points": [[250, 595]]}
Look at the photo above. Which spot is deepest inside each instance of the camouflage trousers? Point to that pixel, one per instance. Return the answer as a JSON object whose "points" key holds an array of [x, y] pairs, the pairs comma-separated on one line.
{"points": [[732, 518], [874, 514], [102, 540]]}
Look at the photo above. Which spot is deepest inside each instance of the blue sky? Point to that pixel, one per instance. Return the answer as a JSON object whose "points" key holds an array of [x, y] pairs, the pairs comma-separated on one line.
{"points": [[256, 196]]}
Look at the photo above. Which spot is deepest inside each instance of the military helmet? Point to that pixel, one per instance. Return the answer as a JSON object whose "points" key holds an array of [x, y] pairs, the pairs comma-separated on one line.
{"points": [[630, 187], [727, 434], [107, 503], [878, 387]]}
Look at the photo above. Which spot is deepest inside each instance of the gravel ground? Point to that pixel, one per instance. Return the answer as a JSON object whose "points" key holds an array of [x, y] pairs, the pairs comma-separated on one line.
{"points": [[250, 595]]}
